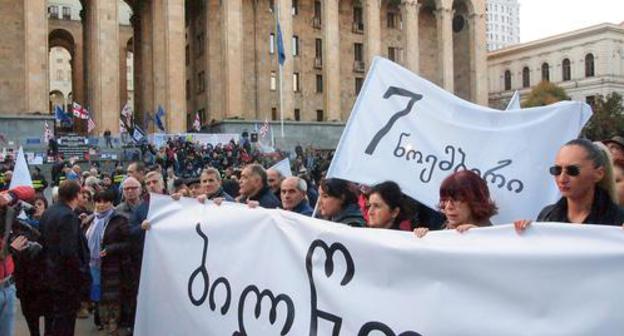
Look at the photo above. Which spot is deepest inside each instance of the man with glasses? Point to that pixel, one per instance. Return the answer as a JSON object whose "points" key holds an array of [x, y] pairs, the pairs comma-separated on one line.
{"points": [[583, 181], [132, 191]]}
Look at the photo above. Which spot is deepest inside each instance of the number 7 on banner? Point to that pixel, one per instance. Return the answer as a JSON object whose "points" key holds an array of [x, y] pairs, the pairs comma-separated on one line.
{"points": [[392, 91]]}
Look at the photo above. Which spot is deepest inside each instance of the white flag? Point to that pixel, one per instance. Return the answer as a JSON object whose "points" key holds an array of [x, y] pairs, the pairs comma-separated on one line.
{"points": [[283, 167], [90, 125], [21, 174], [48, 134], [122, 127], [514, 102], [405, 129]]}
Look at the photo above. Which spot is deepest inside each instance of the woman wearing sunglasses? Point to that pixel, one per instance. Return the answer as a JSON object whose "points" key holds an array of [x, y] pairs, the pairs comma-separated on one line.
{"points": [[581, 174]]}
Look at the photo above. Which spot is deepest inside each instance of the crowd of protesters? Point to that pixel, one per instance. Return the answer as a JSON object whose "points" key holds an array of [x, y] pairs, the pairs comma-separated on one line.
{"points": [[81, 255]]}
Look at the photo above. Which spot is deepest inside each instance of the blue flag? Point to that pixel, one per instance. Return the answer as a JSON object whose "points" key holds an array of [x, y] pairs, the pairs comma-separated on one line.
{"points": [[281, 55], [60, 115], [159, 114], [138, 135]]}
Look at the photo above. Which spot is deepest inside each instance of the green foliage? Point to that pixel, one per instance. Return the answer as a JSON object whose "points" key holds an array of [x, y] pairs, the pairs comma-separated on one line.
{"points": [[608, 118], [545, 93]]}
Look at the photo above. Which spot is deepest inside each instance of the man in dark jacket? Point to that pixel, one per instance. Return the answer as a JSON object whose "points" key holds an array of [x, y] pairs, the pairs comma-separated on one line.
{"points": [[254, 187], [65, 257], [294, 191]]}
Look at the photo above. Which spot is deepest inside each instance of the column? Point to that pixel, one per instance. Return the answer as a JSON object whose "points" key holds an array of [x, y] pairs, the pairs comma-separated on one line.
{"points": [[36, 93], [147, 76], [77, 65], [169, 66], [138, 61], [123, 74], [288, 100], [478, 71], [233, 57], [372, 29], [331, 59], [410, 10], [444, 17], [214, 60], [103, 68]]}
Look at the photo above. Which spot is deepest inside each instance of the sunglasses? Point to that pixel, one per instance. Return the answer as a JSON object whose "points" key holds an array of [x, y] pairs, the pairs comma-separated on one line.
{"points": [[569, 170]]}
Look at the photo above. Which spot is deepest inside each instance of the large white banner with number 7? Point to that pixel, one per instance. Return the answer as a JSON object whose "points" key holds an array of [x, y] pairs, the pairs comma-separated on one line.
{"points": [[405, 129]]}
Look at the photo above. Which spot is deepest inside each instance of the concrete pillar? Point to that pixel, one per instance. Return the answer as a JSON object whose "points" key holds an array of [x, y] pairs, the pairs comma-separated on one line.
{"points": [[103, 83], [372, 29], [444, 17], [331, 59], [214, 61], [36, 82], [288, 97], [410, 11], [478, 66], [147, 65], [233, 57], [169, 66], [138, 65], [77, 66]]}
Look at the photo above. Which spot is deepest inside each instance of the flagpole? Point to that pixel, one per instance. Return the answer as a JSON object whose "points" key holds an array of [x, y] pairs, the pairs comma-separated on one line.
{"points": [[281, 68]]}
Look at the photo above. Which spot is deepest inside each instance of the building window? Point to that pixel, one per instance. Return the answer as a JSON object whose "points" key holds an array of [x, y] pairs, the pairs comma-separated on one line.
{"points": [[272, 43], [53, 11], [319, 115], [394, 54], [296, 86], [187, 55], [358, 54], [319, 83], [545, 72], [566, 70], [67, 13], [297, 114], [318, 48], [295, 7], [589, 65], [391, 17], [201, 82], [188, 89], [358, 19], [317, 10], [200, 44], [295, 45], [507, 80], [526, 77], [273, 81], [274, 113], [202, 116], [358, 84]]}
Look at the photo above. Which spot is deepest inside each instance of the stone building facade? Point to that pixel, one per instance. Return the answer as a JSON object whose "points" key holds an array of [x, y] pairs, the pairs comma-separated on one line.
{"points": [[215, 57], [329, 46], [585, 62]]}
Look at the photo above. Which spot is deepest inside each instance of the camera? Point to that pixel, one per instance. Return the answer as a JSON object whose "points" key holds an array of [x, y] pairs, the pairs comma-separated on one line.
{"points": [[20, 227]]}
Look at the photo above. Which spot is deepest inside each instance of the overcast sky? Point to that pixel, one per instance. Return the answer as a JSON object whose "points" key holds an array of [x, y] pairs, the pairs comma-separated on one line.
{"points": [[543, 18]]}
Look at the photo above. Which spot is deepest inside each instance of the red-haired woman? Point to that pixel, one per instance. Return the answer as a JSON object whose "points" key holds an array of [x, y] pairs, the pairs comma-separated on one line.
{"points": [[465, 201]]}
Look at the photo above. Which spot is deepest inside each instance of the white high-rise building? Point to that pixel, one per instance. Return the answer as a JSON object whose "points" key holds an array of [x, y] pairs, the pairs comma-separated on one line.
{"points": [[503, 23]]}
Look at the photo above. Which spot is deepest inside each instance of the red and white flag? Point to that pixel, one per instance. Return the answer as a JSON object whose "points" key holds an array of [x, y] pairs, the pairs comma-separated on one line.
{"points": [[48, 134], [90, 125], [197, 122], [79, 111]]}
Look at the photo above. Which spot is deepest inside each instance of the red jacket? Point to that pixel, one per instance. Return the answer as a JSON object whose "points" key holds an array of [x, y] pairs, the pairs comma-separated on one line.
{"points": [[23, 193]]}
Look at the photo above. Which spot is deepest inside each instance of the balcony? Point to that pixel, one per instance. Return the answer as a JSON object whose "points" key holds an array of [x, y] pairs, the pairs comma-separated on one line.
{"points": [[318, 63], [316, 22], [359, 66], [358, 27]]}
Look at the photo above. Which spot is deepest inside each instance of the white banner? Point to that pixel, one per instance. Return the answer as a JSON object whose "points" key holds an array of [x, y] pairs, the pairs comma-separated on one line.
{"points": [[204, 275], [405, 129]]}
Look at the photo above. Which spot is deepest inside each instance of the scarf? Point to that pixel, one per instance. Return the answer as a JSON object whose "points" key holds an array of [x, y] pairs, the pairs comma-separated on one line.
{"points": [[95, 234]]}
